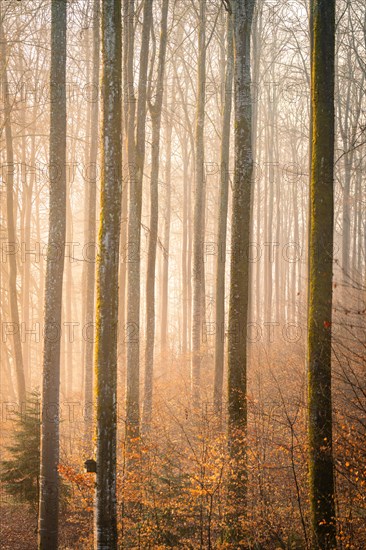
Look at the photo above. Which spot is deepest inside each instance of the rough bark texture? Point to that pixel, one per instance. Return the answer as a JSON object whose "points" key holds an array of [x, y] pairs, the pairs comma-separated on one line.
{"points": [[320, 264], [91, 233], [107, 277], [199, 205], [49, 482], [130, 336], [239, 271], [222, 223]]}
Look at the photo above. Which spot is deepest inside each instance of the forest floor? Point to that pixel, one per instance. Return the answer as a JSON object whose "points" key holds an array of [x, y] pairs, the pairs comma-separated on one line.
{"points": [[18, 525]]}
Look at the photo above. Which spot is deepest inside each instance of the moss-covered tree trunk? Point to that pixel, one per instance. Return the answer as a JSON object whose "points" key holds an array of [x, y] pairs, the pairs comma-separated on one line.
{"points": [[91, 232], [320, 283], [107, 276], [49, 482], [239, 270]]}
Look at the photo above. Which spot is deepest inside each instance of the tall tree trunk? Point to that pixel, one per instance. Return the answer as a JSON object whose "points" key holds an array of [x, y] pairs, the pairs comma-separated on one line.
{"points": [[155, 112], [136, 160], [123, 270], [13, 296], [199, 206], [185, 250], [132, 389], [239, 272], [222, 223], [7, 387], [270, 252], [345, 130], [124, 214], [26, 289], [107, 277], [88, 58], [167, 217], [254, 312], [67, 317], [295, 265], [91, 234], [187, 134], [320, 288], [40, 301], [49, 482], [357, 232]]}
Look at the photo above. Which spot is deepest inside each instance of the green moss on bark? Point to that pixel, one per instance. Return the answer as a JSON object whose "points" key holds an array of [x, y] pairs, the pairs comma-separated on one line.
{"points": [[320, 276]]}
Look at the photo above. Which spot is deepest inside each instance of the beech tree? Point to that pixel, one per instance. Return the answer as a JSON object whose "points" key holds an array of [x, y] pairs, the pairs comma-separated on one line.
{"points": [[222, 221], [320, 276], [136, 162], [230, 442], [11, 224], [155, 112], [107, 276], [168, 120], [91, 192], [199, 209], [239, 268], [50, 444]]}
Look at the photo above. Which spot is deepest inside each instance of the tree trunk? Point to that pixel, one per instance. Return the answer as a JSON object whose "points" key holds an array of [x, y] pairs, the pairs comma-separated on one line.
{"points": [[12, 247], [26, 287], [320, 288], [239, 273], [107, 277], [199, 206], [269, 250], [185, 250], [88, 58], [136, 160], [67, 317], [166, 243], [222, 223], [49, 482], [91, 235], [155, 111]]}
